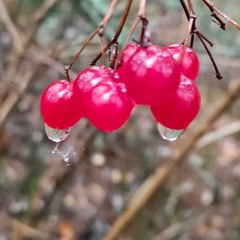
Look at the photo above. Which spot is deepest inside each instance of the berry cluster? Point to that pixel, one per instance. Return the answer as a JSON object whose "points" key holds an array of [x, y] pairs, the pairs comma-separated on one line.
{"points": [[160, 77]]}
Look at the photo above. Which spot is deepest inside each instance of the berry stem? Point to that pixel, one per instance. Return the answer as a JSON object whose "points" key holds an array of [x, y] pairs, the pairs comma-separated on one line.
{"points": [[145, 34], [102, 25], [118, 32], [215, 10], [189, 12], [141, 14], [113, 56], [67, 73], [218, 74], [102, 42], [191, 27]]}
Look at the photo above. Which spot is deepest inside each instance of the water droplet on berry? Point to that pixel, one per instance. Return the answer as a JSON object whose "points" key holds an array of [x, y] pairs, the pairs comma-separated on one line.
{"points": [[56, 135], [168, 133], [66, 155]]}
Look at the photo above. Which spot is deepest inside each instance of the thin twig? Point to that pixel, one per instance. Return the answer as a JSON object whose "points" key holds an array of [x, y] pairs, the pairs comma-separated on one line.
{"points": [[189, 12], [157, 179], [180, 227], [40, 56], [218, 74], [214, 9], [118, 31], [109, 13], [218, 134], [141, 14], [101, 25], [40, 14], [191, 27]]}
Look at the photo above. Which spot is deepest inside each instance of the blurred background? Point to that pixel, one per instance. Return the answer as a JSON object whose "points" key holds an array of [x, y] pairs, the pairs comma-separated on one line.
{"points": [[42, 197]]}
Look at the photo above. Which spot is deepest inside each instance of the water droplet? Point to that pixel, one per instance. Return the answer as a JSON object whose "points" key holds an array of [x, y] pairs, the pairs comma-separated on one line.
{"points": [[66, 155], [56, 135], [168, 133]]}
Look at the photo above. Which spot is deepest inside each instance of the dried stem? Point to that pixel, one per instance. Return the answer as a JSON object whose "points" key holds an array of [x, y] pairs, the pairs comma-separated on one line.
{"points": [[189, 12], [109, 13], [215, 10], [157, 179], [218, 74], [113, 56], [101, 25], [102, 43], [141, 14], [81, 49], [142, 9], [118, 31]]}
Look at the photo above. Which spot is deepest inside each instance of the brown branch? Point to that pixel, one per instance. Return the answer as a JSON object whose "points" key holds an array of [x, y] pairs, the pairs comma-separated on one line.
{"points": [[109, 13], [18, 88], [141, 14], [101, 25], [22, 231], [189, 12], [214, 10], [191, 27], [218, 74], [38, 16], [7, 96], [157, 179], [39, 55], [118, 31], [11, 28], [13, 96]]}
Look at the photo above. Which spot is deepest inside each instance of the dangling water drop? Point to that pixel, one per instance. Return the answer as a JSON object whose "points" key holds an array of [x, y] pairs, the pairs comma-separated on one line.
{"points": [[66, 155], [56, 135], [168, 133]]}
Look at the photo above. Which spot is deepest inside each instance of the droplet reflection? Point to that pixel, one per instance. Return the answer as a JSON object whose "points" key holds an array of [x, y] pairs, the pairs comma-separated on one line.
{"points": [[169, 134], [56, 135]]}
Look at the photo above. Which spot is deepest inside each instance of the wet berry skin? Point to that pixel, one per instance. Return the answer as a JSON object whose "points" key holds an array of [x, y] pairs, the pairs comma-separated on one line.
{"points": [[151, 75], [123, 59], [58, 109], [190, 61], [106, 103], [179, 111], [87, 80]]}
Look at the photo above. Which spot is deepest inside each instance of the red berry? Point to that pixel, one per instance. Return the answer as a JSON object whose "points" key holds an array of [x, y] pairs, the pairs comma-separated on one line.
{"points": [[190, 62], [108, 108], [179, 111], [87, 80], [58, 109], [127, 52], [124, 56], [151, 75], [106, 103]]}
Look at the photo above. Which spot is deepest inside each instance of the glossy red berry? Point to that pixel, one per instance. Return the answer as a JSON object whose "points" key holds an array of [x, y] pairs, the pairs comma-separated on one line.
{"points": [[124, 56], [190, 61], [151, 75], [88, 79], [106, 103], [179, 111], [58, 109]]}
